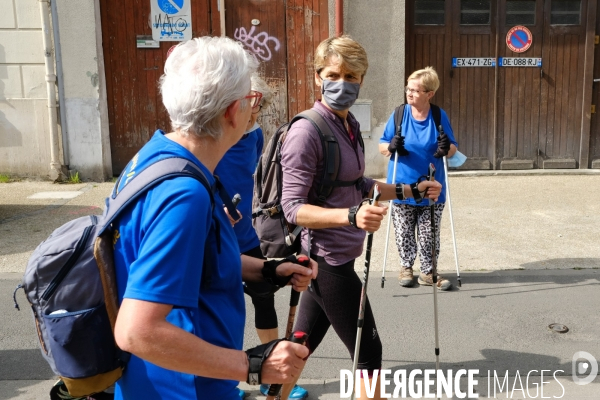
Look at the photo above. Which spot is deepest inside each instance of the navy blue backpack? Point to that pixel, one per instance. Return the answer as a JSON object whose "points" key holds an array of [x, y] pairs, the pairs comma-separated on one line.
{"points": [[71, 286]]}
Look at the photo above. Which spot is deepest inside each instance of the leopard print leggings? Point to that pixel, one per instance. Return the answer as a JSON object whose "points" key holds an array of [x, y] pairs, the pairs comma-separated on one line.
{"points": [[407, 218]]}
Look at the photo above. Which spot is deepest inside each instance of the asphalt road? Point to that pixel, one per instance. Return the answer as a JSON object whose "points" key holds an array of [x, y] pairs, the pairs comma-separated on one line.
{"points": [[497, 321], [529, 256]]}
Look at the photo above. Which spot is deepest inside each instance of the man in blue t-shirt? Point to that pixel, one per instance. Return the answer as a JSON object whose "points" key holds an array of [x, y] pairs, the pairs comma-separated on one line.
{"points": [[185, 334]]}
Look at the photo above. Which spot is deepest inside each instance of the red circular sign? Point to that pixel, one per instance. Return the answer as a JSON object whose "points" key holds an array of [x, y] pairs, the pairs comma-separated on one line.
{"points": [[519, 39]]}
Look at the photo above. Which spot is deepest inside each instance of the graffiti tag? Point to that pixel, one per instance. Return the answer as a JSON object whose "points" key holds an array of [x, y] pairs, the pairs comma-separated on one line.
{"points": [[258, 44], [171, 27]]}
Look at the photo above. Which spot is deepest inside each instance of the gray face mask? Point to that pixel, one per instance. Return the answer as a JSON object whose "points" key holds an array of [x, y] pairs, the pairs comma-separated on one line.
{"points": [[339, 95]]}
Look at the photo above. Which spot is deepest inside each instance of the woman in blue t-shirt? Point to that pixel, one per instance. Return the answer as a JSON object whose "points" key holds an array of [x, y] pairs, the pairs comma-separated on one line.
{"points": [[177, 260], [419, 145]]}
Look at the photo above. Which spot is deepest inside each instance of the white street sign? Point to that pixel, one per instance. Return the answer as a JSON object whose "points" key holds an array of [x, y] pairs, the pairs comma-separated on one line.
{"points": [[171, 20]]}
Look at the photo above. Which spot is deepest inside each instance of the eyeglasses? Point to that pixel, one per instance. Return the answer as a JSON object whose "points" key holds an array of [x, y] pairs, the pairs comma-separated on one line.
{"points": [[256, 110], [408, 90], [255, 98]]}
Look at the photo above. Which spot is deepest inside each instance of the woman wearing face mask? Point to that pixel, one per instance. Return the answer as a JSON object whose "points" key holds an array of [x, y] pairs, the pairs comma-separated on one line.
{"points": [[339, 224]]}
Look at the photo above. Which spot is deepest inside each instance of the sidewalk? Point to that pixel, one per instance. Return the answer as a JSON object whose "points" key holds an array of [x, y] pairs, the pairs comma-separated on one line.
{"points": [[529, 255], [503, 221]]}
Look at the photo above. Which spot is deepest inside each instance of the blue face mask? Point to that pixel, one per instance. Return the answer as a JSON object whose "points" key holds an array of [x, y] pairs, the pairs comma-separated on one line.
{"points": [[457, 159], [339, 95]]}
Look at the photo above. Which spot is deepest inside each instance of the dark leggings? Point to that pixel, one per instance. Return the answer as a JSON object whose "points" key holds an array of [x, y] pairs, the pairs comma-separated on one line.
{"points": [[265, 316], [334, 301]]}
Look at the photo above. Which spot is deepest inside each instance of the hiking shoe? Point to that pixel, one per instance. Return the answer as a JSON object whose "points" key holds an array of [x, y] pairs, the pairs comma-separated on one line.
{"points": [[427, 280], [297, 392], [406, 278]]}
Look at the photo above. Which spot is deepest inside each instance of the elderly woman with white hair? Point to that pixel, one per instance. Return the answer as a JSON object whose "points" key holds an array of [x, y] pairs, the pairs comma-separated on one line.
{"points": [[185, 339]]}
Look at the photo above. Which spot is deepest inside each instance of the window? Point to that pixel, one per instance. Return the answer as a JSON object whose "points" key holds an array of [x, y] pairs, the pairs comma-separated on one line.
{"points": [[565, 12], [429, 12], [520, 12], [475, 12]]}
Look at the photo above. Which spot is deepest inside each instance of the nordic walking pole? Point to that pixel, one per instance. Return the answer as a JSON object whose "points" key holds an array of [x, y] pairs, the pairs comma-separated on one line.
{"points": [[451, 220], [363, 293], [294, 299], [389, 221], [434, 274]]}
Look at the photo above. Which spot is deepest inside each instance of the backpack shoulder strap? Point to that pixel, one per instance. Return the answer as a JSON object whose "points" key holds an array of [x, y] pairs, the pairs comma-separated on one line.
{"points": [[331, 152], [148, 178], [361, 142], [153, 175], [437, 118], [329, 142], [331, 155], [398, 114]]}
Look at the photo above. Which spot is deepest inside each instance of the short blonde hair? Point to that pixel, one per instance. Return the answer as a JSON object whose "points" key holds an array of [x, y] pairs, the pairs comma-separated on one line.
{"points": [[429, 79], [259, 85], [351, 55]]}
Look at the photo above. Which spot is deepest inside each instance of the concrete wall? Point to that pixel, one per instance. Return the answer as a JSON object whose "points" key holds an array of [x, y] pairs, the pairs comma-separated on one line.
{"points": [[86, 125], [24, 132], [24, 122], [379, 26]]}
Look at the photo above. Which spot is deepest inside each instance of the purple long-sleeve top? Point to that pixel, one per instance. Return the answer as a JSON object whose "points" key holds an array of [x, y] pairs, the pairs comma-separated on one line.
{"points": [[302, 165]]}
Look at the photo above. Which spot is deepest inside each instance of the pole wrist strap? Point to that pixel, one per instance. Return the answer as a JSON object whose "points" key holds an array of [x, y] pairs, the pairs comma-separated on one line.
{"points": [[256, 357], [418, 196], [270, 275], [400, 191]]}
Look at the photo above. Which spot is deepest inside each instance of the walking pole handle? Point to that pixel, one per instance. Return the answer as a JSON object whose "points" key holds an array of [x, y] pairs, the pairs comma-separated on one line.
{"points": [[431, 172], [376, 195], [296, 337]]}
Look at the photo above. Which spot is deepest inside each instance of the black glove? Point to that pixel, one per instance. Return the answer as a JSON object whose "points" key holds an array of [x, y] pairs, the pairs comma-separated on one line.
{"points": [[256, 357], [443, 145], [397, 144], [268, 271]]}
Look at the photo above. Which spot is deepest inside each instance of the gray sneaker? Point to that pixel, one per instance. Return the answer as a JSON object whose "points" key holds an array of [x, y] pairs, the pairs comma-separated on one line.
{"points": [[406, 278], [427, 280]]}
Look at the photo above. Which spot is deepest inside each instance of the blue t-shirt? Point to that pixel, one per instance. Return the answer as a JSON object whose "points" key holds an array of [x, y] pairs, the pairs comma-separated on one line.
{"points": [[236, 170], [420, 139], [159, 248]]}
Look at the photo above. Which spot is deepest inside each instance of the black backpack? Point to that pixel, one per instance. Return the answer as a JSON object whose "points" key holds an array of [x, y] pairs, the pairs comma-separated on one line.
{"points": [[279, 238], [70, 284], [435, 111]]}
